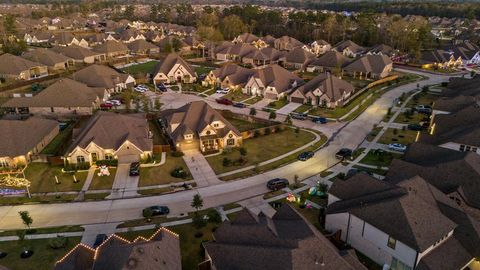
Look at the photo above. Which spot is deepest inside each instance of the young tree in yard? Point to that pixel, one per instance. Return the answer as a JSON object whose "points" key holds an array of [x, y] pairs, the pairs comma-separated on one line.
{"points": [[26, 218], [288, 120], [253, 111], [272, 115], [146, 105], [197, 202], [158, 104]]}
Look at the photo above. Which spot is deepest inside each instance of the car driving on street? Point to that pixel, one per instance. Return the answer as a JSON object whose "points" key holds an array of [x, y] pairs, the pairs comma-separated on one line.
{"points": [[305, 156], [277, 183], [156, 210]]}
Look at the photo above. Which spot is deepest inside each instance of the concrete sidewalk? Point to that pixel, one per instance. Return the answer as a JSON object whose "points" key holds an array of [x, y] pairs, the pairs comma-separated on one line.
{"points": [[91, 232], [201, 171], [124, 185]]}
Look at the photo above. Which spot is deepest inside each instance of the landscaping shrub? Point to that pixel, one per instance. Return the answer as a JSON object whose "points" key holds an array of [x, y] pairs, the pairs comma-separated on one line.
{"points": [[240, 161], [214, 216], [57, 242], [256, 133], [198, 221], [267, 131], [243, 151], [177, 154], [179, 172], [110, 163], [226, 162]]}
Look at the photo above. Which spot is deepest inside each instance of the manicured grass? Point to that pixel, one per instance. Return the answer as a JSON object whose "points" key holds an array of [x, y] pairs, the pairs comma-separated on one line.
{"points": [[194, 87], [202, 69], [244, 125], [147, 67], [155, 191], [308, 75], [61, 229], [37, 199], [253, 100], [42, 178], [405, 137], [272, 194], [414, 118], [303, 108], [373, 133], [160, 175], [43, 258], [103, 182], [382, 159], [277, 104], [231, 206], [262, 148], [236, 95], [422, 99], [375, 171], [311, 215], [158, 137], [59, 142], [95, 196]]}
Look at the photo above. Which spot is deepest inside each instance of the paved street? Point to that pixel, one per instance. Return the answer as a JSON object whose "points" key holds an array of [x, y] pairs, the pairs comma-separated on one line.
{"points": [[351, 135]]}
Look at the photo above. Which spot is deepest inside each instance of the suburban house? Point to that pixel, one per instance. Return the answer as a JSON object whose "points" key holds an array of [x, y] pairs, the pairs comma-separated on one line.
{"points": [[80, 54], [369, 66], [18, 144], [271, 82], [169, 43], [104, 77], [349, 48], [440, 58], [130, 35], [159, 251], [268, 40], [111, 136], [19, 68], [264, 56], [142, 47], [409, 225], [54, 61], [458, 131], [64, 98], [233, 52], [230, 76], [173, 69], [40, 37], [66, 39], [154, 36], [325, 90], [287, 43], [196, 45], [328, 62], [283, 241], [298, 58], [111, 49], [383, 49], [245, 38], [320, 47], [196, 125]]}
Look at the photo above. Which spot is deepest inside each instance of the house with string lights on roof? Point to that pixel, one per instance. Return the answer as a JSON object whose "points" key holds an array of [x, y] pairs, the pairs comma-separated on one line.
{"points": [[160, 251]]}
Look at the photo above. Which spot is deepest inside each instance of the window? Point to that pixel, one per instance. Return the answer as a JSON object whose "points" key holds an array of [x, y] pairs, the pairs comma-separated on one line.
{"points": [[188, 136], [230, 142], [80, 159], [3, 163], [467, 148], [51, 109], [109, 156], [391, 242], [462, 147], [398, 265], [474, 149], [216, 125]]}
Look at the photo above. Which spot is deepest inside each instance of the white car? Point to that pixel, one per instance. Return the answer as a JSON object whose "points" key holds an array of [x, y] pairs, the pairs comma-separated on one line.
{"points": [[114, 102], [222, 91], [139, 89], [397, 147]]}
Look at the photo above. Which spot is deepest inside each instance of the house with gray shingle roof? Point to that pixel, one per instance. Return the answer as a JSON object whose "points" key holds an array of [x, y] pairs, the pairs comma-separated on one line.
{"points": [[19, 145], [349, 48], [19, 68], [111, 49], [142, 47], [80, 54], [229, 76], [104, 77], [328, 62], [174, 69], [286, 43], [325, 90], [54, 61], [370, 66], [109, 135], [196, 125], [298, 58]]}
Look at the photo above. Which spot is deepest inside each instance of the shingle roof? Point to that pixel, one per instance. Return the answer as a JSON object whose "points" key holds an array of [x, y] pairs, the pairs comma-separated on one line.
{"points": [[63, 93], [331, 86], [100, 76], [354, 47], [17, 137], [369, 63], [247, 37], [45, 56], [110, 130], [299, 56], [80, 257], [141, 45], [111, 46], [75, 52], [170, 61], [277, 77], [331, 59], [454, 104], [236, 74], [16, 64]]}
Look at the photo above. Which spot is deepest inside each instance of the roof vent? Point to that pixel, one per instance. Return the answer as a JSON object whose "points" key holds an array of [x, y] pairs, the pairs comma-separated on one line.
{"points": [[141, 250]]}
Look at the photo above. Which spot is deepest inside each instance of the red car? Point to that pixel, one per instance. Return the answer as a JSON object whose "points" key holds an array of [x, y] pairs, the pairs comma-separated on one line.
{"points": [[106, 106], [224, 101]]}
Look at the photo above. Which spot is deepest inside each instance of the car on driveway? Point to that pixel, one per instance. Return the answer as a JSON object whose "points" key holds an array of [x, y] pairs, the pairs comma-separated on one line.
{"points": [[319, 120], [222, 91], [106, 106], [99, 240], [415, 127], [277, 183], [114, 102], [239, 105], [423, 109], [344, 153], [162, 87], [298, 116], [305, 156], [397, 147], [134, 169], [224, 101], [156, 210]]}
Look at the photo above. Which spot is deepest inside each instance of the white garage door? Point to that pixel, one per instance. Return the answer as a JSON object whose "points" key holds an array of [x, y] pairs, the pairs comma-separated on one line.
{"points": [[128, 159]]}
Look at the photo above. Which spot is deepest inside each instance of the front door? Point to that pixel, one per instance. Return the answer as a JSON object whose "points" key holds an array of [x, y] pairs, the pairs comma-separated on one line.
{"points": [[94, 157]]}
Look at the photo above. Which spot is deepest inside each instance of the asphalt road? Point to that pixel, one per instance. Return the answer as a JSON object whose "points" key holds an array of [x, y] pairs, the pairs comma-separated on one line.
{"points": [[350, 135]]}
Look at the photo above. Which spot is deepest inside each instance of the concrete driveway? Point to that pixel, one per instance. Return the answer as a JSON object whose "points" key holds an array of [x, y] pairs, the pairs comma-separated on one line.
{"points": [[290, 107], [124, 185], [201, 171]]}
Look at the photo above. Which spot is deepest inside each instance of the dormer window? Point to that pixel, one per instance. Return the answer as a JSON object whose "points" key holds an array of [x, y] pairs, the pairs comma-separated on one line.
{"points": [[392, 242], [216, 125], [188, 136]]}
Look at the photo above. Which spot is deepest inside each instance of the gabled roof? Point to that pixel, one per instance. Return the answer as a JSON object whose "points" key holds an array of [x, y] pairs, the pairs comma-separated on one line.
{"points": [[17, 137], [331, 59], [331, 86], [290, 41], [110, 130], [45, 56], [354, 47], [75, 52], [16, 64], [299, 55], [111, 46], [170, 61], [277, 77], [369, 64], [141, 45], [454, 104], [63, 93], [247, 38], [100, 76], [407, 212], [240, 49], [236, 74], [80, 257], [383, 49]]}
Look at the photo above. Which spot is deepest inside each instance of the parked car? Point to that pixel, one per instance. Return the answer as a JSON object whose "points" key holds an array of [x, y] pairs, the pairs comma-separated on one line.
{"points": [[106, 106], [162, 87], [239, 105], [319, 120], [397, 147], [134, 169], [222, 91], [99, 239], [419, 107], [277, 183], [298, 116], [114, 102], [426, 111], [202, 77], [344, 153], [305, 156], [140, 90], [416, 127], [224, 101], [156, 210]]}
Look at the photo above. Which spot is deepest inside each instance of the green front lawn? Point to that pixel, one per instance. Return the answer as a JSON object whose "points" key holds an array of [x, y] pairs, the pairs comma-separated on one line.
{"points": [[244, 125], [160, 175], [379, 158], [202, 70], [422, 99], [236, 95], [303, 108], [253, 100], [147, 67], [262, 148], [103, 182], [61, 229], [277, 104], [43, 258], [405, 137], [42, 178], [195, 87], [413, 118]]}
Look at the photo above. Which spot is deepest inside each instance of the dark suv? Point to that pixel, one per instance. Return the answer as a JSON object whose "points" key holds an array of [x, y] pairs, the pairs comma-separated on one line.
{"points": [[344, 153], [277, 183], [134, 169]]}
